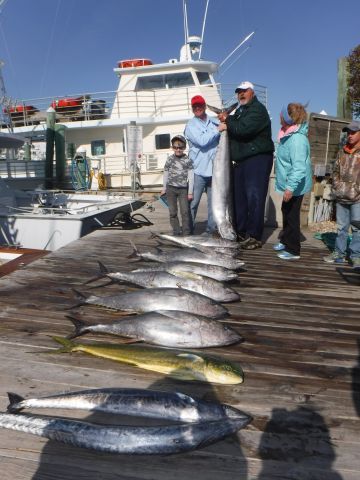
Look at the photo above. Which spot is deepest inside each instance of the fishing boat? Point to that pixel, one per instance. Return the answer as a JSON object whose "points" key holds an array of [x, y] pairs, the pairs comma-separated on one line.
{"points": [[50, 219], [125, 133]]}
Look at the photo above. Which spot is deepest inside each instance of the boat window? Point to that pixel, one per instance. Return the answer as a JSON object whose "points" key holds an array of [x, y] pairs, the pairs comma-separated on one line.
{"points": [[162, 141], [98, 147], [203, 77], [172, 80]]}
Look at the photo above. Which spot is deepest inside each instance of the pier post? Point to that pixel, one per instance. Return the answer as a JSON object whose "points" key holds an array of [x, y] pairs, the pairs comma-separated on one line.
{"points": [[50, 138]]}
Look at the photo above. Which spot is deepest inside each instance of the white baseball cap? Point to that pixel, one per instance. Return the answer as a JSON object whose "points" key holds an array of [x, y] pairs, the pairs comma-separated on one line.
{"points": [[244, 86]]}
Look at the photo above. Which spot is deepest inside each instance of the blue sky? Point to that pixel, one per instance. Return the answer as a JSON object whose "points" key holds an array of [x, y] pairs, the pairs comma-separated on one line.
{"points": [[63, 47]]}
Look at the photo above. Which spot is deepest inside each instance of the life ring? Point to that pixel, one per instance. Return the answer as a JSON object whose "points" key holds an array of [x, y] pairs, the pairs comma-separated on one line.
{"points": [[134, 62]]}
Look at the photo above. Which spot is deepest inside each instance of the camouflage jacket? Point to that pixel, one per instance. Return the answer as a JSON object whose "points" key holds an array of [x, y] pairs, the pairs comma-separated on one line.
{"points": [[178, 172], [346, 176]]}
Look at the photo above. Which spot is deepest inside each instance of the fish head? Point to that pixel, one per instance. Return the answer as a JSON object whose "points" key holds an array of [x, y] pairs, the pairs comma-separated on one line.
{"points": [[221, 371]]}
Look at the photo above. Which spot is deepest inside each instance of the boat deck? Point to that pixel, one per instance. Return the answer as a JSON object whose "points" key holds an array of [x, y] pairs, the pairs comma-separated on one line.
{"points": [[300, 322]]}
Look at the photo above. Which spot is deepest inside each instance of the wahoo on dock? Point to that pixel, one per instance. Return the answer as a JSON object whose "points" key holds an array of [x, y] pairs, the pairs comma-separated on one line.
{"points": [[155, 440], [139, 402]]}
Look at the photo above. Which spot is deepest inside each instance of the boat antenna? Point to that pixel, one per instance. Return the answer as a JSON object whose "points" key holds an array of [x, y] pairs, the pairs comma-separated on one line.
{"points": [[240, 44], [203, 27], [186, 27]]}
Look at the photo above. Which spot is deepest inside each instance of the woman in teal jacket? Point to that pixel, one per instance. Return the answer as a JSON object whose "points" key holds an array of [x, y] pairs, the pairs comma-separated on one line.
{"points": [[293, 176]]}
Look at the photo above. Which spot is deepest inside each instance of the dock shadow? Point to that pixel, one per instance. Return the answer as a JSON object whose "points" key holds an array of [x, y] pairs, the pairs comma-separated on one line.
{"points": [[349, 275], [296, 445], [223, 459], [355, 382]]}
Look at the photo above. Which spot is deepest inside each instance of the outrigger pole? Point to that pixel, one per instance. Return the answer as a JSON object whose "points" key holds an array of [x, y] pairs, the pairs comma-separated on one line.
{"points": [[203, 28], [240, 44], [186, 27]]}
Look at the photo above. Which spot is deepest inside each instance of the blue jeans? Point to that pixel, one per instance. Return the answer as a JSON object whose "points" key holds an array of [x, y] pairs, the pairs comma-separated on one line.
{"points": [[345, 215], [202, 184], [251, 181]]}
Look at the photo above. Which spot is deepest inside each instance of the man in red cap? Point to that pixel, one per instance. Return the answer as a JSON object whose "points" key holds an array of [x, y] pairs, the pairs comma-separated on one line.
{"points": [[203, 137]]}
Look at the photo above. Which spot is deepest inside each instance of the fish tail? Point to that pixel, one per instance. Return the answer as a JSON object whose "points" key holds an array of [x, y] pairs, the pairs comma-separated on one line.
{"points": [[80, 296], [103, 269], [80, 327], [135, 252], [14, 398], [68, 346]]}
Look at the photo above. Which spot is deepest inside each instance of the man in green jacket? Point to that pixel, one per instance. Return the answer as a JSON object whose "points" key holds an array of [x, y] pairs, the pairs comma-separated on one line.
{"points": [[251, 151]]}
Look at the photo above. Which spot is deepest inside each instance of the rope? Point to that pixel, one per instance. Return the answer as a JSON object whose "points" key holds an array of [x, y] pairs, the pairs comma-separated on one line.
{"points": [[126, 221]]}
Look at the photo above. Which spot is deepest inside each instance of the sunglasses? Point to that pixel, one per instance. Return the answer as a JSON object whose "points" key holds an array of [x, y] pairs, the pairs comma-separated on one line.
{"points": [[178, 147]]}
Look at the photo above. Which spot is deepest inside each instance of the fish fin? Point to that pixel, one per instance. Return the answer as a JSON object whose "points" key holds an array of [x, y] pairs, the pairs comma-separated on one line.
{"points": [[135, 253], [130, 340], [191, 356], [221, 110], [80, 296], [189, 275], [81, 328], [67, 345], [214, 109], [14, 398], [231, 107], [102, 273]]}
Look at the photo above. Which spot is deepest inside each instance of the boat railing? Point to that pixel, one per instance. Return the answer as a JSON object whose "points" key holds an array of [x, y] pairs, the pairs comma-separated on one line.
{"points": [[122, 104]]}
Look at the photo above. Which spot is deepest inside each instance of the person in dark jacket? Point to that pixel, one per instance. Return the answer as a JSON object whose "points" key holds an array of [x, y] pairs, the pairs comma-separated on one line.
{"points": [[251, 151]]}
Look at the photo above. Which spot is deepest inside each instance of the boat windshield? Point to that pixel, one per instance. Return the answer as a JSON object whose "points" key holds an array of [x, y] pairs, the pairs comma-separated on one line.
{"points": [[204, 78], [171, 80]]}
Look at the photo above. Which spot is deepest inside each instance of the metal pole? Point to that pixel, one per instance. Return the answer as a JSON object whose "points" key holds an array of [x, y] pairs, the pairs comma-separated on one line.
{"points": [[50, 138]]}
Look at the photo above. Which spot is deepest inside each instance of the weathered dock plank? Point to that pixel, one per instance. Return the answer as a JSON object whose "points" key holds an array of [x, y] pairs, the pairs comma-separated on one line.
{"points": [[300, 355]]}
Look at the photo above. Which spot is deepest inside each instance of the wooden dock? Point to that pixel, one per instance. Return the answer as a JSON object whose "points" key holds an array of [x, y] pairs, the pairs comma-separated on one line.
{"points": [[301, 325]]}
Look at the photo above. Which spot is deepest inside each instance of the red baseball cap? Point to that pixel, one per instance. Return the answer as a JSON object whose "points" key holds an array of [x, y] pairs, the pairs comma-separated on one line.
{"points": [[198, 100]]}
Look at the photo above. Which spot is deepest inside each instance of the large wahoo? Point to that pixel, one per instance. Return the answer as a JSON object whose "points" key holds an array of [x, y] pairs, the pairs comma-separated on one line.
{"points": [[130, 439], [221, 200]]}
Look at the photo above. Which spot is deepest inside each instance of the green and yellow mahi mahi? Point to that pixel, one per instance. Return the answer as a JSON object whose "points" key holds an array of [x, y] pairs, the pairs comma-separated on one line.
{"points": [[179, 364]]}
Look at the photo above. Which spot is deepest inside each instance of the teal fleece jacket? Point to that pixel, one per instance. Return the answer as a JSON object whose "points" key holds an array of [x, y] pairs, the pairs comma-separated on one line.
{"points": [[293, 170]]}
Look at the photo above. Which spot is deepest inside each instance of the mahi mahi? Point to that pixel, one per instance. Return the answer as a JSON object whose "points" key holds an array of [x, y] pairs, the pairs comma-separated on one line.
{"points": [[174, 406], [166, 328], [176, 363], [186, 280], [153, 299], [150, 440]]}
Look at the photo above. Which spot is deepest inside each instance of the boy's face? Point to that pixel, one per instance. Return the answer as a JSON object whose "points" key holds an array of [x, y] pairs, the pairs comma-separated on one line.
{"points": [[178, 148]]}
